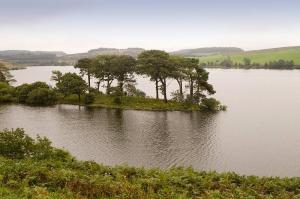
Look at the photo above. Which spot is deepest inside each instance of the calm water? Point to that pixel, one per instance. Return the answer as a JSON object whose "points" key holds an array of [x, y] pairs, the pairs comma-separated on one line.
{"points": [[259, 134]]}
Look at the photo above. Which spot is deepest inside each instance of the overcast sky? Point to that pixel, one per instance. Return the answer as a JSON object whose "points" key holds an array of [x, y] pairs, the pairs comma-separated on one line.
{"points": [[79, 25]]}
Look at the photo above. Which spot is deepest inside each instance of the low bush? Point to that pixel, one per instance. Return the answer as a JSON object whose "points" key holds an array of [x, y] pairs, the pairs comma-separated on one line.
{"points": [[6, 93], [41, 97], [89, 98], [15, 144], [211, 105], [38, 93]]}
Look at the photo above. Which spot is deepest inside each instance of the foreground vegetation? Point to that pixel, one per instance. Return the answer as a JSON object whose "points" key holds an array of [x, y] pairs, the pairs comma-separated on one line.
{"points": [[258, 59], [34, 169]]}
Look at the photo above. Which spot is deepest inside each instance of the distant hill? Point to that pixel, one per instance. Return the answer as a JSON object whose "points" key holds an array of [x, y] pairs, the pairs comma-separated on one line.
{"points": [[17, 58], [73, 58], [208, 51], [259, 56], [31, 58]]}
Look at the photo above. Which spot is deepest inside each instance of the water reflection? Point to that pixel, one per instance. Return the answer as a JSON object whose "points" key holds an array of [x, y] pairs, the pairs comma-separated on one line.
{"points": [[113, 136]]}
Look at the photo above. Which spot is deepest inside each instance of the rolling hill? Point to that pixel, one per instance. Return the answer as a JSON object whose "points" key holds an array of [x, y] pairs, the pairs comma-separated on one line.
{"points": [[71, 59], [258, 56], [30, 58]]}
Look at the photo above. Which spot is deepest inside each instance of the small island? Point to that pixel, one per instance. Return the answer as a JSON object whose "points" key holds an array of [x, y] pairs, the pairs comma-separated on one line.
{"points": [[159, 66]]}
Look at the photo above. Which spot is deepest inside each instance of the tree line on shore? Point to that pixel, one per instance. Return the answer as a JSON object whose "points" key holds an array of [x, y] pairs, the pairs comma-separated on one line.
{"points": [[248, 63]]}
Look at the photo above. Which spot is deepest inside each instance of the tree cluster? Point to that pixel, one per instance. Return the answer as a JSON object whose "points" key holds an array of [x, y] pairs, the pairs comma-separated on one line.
{"points": [[158, 65]]}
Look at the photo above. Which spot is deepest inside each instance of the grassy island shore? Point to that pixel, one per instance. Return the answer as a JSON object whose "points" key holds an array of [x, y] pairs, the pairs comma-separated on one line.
{"points": [[144, 103], [34, 169]]}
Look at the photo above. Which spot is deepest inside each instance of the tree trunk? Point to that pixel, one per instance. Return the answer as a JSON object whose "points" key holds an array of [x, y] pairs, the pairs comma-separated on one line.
{"points": [[156, 86], [121, 83], [89, 80], [165, 92], [79, 98], [191, 89], [164, 89], [108, 87], [179, 81], [98, 85]]}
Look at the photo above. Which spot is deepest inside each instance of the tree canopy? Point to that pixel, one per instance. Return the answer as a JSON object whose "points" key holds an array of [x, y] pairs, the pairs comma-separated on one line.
{"points": [[158, 65]]}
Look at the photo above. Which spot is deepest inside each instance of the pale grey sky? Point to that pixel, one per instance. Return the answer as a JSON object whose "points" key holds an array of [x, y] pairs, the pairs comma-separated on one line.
{"points": [[79, 25]]}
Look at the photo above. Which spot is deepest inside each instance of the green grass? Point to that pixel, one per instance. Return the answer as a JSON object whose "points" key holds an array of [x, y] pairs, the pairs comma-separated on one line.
{"points": [[35, 170], [141, 103], [135, 103], [260, 57]]}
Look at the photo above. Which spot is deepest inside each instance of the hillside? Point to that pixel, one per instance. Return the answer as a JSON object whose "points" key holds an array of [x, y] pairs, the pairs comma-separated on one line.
{"points": [[73, 58], [258, 56], [208, 51]]}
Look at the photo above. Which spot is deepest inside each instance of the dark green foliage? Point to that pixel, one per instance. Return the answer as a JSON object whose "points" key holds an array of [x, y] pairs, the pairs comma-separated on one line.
{"points": [[156, 64], [227, 63], [247, 61], [117, 100], [15, 144], [41, 97], [5, 75], [86, 67], [280, 64], [131, 90], [41, 171], [38, 93], [89, 98], [6, 93], [71, 83], [211, 105]]}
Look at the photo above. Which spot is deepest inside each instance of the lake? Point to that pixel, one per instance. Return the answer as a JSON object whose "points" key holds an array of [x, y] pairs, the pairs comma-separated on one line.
{"points": [[258, 135]]}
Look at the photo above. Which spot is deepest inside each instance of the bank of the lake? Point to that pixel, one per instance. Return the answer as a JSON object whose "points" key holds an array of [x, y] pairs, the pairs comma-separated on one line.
{"points": [[35, 169], [143, 103]]}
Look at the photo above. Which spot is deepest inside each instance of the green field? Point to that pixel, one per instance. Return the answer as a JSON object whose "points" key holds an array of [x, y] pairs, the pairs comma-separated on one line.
{"points": [[261, 56]]}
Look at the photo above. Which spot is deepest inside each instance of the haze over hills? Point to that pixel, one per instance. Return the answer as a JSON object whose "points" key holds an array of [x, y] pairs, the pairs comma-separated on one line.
{"points": [[49, 58], [72, 58]]}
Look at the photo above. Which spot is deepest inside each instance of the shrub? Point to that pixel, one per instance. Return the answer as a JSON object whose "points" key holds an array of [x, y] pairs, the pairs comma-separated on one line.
{"points": [[42, 97], [211, 105], [22, 92], [280, 64], [6, 93], [131, 90], [38, 93], [117, 100], [89, 98], [15, 144], [177, 96]]}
